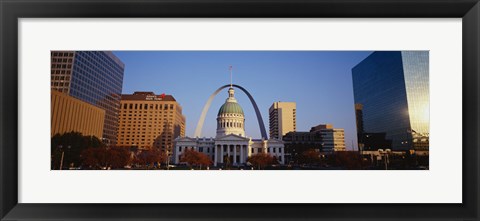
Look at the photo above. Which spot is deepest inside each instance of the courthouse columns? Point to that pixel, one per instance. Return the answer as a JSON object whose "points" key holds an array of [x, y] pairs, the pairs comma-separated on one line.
{"points": [[241, 154], [221, 153], [215, 152], [234, 154]]}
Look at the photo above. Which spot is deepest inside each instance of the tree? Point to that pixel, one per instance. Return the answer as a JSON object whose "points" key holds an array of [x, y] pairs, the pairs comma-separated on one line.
{"points": [[309, 157], [113, 157], [195, 158], [94, 158], [71, 145], [150, 157], [118, 157], [350, 160], [260, 160]]}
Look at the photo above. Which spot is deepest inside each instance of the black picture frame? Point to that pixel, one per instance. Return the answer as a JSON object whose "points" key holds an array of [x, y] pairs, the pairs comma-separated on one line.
{"points": [[11, 11]]}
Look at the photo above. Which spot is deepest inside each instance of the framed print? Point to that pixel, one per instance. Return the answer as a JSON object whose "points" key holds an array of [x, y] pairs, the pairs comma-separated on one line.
{"points": [[224, 110]]}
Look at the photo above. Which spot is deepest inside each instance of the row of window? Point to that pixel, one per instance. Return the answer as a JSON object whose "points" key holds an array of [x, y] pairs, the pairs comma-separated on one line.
{"points": [[60, 78], [62, 54], [147, 106], [128, 126], [258, 150], [139, 118], [60, 84], [146, 112], [61, 66], [230, 124], [60, 72], [64, 60]]}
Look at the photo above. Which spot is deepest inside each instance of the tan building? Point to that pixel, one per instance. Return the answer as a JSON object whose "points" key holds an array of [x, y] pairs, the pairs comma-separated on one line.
{"points": [[282, 119], [70, 114], [149, 121], [333, 139]]}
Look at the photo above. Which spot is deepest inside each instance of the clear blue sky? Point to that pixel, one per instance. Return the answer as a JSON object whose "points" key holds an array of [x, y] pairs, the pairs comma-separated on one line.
{"points": [[320, 82]]}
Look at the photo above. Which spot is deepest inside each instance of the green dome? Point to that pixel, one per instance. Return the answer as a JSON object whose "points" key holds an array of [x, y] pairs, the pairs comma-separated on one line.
{"points": [[230, 108]]}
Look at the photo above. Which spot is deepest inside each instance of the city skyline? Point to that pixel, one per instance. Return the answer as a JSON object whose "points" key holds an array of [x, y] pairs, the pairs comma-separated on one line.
{"points": [[319, 82]]}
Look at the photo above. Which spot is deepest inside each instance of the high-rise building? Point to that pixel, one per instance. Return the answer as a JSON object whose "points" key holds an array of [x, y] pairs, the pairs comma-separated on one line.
{"points": [[95, 77], [391, 92], [282, 119], [321, 138], [150, 121], [70, 114], [300, 141], [333, 139]]}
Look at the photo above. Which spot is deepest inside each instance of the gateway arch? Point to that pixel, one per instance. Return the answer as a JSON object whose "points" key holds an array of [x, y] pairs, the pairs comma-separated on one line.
{"points": [[198, 130]]}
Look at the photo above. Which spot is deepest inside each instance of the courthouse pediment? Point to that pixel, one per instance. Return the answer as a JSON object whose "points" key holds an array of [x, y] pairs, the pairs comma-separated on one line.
{"points": [[231, 137]]}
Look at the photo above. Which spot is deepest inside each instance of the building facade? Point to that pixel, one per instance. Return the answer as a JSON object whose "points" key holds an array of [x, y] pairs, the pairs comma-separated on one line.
{"points": [[321, 138], [95, 77], [149, 121], [300, 141], [70, 114], [282, 119], [333, 139], [230, 146], [391, 93]]}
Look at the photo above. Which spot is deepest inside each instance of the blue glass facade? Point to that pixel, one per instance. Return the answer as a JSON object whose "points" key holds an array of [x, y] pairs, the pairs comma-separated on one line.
{"points": [[95, 77], [392, 89]]}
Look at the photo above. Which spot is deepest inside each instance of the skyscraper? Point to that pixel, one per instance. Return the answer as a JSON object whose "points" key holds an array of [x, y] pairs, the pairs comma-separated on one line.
{"points": [[150, 121], [391, 92], [95, 77], [282, 119]]}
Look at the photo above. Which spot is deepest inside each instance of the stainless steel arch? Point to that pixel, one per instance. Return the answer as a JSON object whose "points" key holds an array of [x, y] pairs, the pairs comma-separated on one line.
{"points": [[198, 130]]}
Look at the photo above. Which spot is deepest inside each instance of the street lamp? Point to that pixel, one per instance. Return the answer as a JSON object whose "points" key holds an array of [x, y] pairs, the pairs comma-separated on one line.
{"points": [[63, 154]]}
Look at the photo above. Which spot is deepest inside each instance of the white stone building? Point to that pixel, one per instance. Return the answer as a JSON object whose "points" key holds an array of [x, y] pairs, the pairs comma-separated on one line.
{"points": [[230, 144]]}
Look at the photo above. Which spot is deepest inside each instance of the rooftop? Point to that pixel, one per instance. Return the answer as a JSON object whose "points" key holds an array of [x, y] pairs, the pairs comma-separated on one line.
{"points": [[147, 96]]}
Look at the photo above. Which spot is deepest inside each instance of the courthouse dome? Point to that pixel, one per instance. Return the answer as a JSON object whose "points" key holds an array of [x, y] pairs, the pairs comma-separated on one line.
{"points": [[230, 108], [230, 118]]}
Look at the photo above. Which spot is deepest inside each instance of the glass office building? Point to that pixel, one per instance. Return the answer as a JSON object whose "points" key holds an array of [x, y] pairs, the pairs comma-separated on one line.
{"points": [[95, 77], [392, 89]]}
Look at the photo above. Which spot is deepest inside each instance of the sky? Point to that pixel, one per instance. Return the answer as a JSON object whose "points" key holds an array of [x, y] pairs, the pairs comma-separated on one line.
{"points": [[320, 82]]}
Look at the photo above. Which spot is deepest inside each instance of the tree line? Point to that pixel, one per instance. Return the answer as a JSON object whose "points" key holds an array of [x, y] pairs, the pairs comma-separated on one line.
{"points": [[73, 150]]}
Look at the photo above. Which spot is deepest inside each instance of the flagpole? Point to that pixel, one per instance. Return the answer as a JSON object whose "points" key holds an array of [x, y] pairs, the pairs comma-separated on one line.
{"points": [[231, 75]]}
